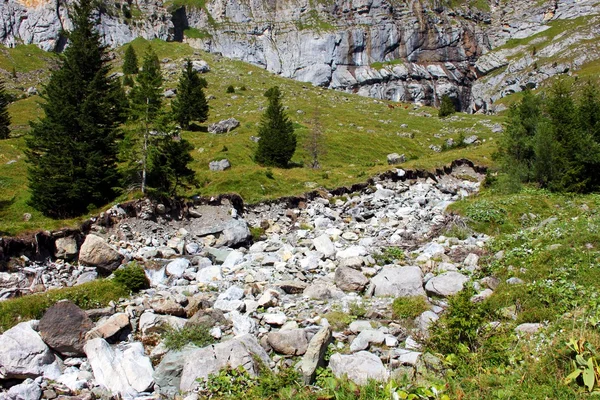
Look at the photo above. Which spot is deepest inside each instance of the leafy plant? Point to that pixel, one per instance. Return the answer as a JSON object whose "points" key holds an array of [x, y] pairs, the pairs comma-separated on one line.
{"points": [[338, 320], [257, 233], [196, 334], [390, 255], [132, 277], [230, 89], [586, 372], [409, 307]]}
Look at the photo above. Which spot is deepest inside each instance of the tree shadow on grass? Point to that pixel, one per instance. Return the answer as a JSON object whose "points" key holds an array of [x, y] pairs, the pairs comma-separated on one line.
{"points": [[4, 205], [198, 128]]}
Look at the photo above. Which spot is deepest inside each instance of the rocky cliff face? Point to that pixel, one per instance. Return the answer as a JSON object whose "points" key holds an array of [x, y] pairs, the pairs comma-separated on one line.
{"points": [[400, 50]]}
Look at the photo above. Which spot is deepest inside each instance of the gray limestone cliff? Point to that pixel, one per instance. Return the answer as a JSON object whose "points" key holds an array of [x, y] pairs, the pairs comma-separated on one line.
{"points": [[400, 50]]}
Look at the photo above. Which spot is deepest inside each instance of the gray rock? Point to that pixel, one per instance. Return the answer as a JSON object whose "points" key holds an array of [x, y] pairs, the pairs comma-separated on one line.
{"points": [[315, 354], [447, 284], [63, 328], [293, 342], [240, 351], [177, 267], [365, 338], [125, 370], [220, 165], [471, 139], [224, 126], [106, 328], [235, 233], [28, 390], [399, 282], [200, 66], [86, 277], [529, 328], [395, 158], [167, 374], [324, 245], [350, 280], [66, 248], [358, 367], [23, 354], [97, 253]]}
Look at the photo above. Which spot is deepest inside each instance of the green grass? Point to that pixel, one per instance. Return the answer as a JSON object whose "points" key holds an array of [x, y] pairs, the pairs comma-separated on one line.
{"points": [[359, 133], [198, 335], [409, 307], [25, 58], [94, 294], [559, 263], [194, 33]]}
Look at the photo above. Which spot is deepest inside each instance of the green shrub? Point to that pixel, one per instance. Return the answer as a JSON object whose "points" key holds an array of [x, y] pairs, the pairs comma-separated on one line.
{"points": [[447, 107], [409, 307], [338, 320], [457, 330], [132, 277], [89, 295], [390, 255], [257, 233], [230, 89], [198, 335]]}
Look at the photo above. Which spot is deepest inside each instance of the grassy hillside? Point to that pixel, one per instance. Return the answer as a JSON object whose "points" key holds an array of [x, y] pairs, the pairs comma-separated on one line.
{"points": [[359, 133]]}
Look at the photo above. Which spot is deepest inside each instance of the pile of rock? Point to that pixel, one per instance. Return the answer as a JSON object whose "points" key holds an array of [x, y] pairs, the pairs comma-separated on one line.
{"points": [[270, 301]]}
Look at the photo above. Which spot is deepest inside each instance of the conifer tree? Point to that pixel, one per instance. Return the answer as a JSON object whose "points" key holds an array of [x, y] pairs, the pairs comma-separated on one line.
{"points": [[447, 107], [190, 104], [168, 168], [4, 116], [130, 63], [277, 142], [72, 150]]}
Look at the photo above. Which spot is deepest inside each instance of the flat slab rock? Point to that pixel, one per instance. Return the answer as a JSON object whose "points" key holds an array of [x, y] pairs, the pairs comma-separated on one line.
{"points": [[399, 282], [358, 367]]}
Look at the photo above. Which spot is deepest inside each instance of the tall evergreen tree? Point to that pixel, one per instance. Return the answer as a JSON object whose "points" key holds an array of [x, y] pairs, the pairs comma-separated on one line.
{"points": [[130, 63], [168, 168], [277, 142], [72, 150], [190, 104], [4, 115], [447, 107]]}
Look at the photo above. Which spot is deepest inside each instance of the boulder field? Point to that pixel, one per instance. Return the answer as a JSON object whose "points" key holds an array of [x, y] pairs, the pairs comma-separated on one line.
{"points": [[275, 300]]}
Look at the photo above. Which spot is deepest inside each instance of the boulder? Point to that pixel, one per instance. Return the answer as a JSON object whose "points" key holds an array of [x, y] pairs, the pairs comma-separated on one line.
{"points": [[200, 66], [28, 390], [224, 126], [315, 354], [124, 370], [23, 354], [399, 282], [151, 323], [358, 367], [63, 328], [365, 338], [447, 284], [177, 267], [168, 306], [66, 248], [324, 245], [395, 158], [242, 351], [291, 342], [235, 234], [220, 165], [167, 374], [109, 327], [97, 253], [350, 280]]}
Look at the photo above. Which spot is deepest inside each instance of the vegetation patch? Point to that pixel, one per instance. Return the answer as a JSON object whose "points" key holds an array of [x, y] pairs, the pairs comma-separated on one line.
{"points": [[89, 295], [196, 334], [132, 277], [409, 307]]}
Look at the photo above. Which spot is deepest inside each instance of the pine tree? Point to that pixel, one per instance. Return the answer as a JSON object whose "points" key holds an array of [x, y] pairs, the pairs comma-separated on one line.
{"points": [[190, 104], [168, 168], [277, 142], [447, 107], [146, 95], [130, 63], [72, 150], [4, 116]]}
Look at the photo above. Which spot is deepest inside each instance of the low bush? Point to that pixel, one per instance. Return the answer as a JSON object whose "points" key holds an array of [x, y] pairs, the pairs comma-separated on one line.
{"points": [[409, 307], [132, 277], [230, 89], [196, 334]]}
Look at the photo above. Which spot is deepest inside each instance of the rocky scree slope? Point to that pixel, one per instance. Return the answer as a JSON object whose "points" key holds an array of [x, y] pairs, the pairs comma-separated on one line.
{"points": [[414, 51], [269, 301]]}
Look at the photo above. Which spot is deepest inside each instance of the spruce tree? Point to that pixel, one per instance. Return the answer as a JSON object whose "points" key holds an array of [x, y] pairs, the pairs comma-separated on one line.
{"points": [[277, 142], [168, 168], [72, 150], [190, 104], [447, 107], [130, 63], [4, 116]]}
